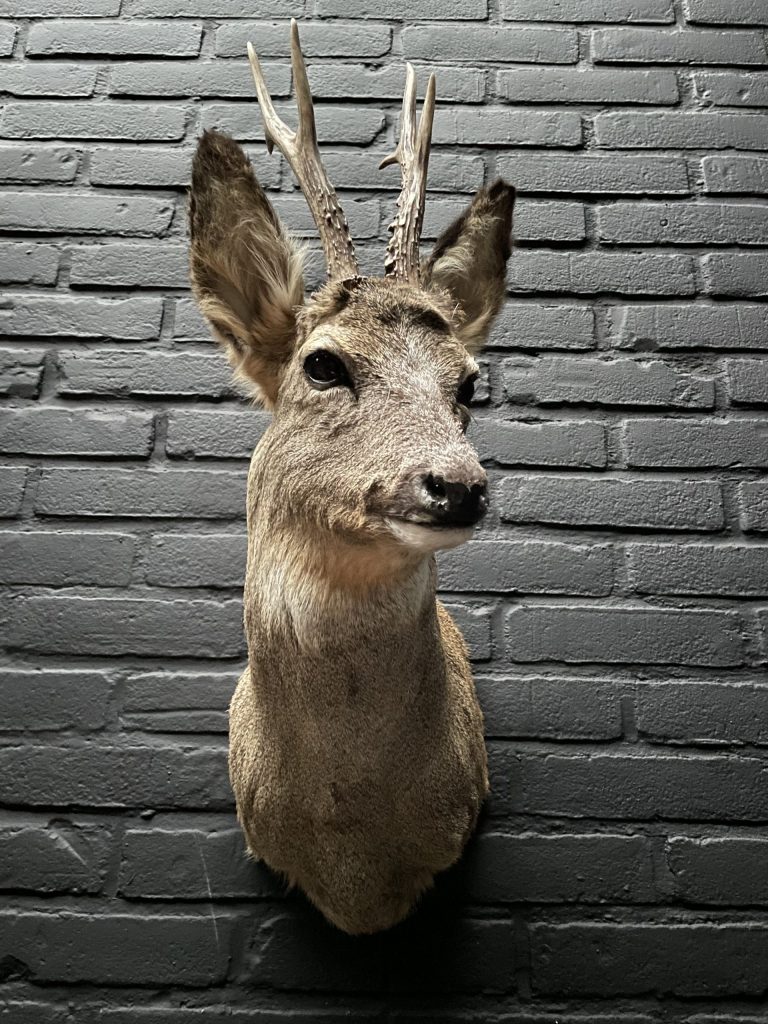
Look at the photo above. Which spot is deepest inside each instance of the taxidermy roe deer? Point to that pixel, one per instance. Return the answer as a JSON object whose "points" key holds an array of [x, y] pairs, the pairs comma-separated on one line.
{"points": [[356, 740]]}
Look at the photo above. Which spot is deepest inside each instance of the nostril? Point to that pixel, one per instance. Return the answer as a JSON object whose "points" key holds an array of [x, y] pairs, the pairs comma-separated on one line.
{"points": [[453, 502], [435, 487]]}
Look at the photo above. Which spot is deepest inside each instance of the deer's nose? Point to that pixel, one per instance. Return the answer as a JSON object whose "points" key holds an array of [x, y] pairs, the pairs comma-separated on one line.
{"points": [[452, 502]]}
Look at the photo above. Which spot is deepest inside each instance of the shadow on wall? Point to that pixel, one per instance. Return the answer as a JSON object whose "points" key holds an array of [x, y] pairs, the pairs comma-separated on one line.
{"points": [[439, 949]]}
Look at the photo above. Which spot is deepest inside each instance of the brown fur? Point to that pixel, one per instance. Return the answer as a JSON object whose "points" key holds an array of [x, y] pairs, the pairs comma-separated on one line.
{"points": [[356, 740]]}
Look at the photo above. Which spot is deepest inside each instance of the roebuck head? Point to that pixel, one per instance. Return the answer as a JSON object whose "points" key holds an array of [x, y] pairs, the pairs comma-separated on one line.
{"points": [[370, 380]]}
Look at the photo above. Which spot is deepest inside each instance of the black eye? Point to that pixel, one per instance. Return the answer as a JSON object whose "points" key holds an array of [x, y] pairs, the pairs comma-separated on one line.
{"points": [[466, 390], [325, 370]]}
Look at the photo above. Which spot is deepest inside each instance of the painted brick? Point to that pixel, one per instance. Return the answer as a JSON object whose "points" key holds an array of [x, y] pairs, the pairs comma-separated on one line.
{"points": [[186, 494], [126, 319], [491, 43], [737, 274], [544, 443], [762, 624], [131, 121], [534, 567], [717, 1018], [293, 948], [550, 707], [212, 8], [196, 560], [47, 79], [722, 570], [21, 373], [747, 381], [189, 323], [178, 701], [130, 266], [499, 126], [134, 948], [348, 125], [39, 700], [53, 858], [702, 325], [41, 431], [594, 272], [687, 787], [62, 213], [12, 483], [595, 174], [532, 325], [59, 8], [7, 38], [753, 500], [562, 869], [589, 10], [534, 221], [721, 12], [684, 443], [418, 10], [667, 129], [360, 81], [719, 871], [66, 558], [557, 379], [215, 435], [164, 168], [117, 776], [32, 163], [731, 89], [206, 865], [136, 625], [474, 621], [25, 263], [194, 78], [715, 713], [567, 85], [364, 216], [702, 959], [616, 502], [684, 223], [657, 46], [639, 635], [360, 170], [735, 175], [104, 37], [318, 39], [145, 373]]}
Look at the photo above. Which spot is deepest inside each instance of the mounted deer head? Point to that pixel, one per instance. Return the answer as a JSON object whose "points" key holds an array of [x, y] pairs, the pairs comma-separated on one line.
{"points": [[357, 756]]}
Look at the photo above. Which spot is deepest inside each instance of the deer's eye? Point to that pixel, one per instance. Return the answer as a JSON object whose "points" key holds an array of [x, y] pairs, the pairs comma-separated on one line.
{"points": [[325, 370], [466, 390]]}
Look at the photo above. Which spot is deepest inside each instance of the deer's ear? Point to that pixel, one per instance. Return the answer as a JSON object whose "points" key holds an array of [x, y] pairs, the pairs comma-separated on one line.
{"points": [[470, 258], [245, 273]]}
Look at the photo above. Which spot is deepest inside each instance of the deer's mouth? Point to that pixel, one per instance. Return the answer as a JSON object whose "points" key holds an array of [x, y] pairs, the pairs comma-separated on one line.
{"points": [[427, 536]]}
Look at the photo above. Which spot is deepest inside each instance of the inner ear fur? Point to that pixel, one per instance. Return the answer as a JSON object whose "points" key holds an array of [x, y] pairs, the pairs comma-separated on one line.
{"points": [[470, 258], [245, 272]]}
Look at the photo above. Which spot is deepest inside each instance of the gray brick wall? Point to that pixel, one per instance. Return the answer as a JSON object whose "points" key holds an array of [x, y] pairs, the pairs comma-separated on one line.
{"points": [[615, 600]]}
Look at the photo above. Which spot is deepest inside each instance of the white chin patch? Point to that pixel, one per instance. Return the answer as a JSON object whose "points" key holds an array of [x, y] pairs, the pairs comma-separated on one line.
{"points": [[428, 538]]}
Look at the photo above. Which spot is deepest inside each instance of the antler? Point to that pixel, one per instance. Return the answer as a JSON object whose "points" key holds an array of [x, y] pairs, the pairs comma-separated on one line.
{"points": [[412, 154], [301, 151]]}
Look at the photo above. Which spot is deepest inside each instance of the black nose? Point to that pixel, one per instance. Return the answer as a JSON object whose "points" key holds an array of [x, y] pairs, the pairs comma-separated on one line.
{"points": [[452, 503]]}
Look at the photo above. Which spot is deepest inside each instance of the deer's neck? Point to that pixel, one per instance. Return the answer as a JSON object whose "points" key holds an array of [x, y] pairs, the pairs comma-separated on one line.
{"points": [[337, 624]]}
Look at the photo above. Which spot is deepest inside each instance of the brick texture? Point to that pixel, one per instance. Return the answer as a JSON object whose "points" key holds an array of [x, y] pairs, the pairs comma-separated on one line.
{"points": [[614, 601]]}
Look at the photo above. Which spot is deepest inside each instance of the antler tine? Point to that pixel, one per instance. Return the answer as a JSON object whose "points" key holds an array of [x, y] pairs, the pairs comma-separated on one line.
{"points": [[412, 153], [301, 151]]}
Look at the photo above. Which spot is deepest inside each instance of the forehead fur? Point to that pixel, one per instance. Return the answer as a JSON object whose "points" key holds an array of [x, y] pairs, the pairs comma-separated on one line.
{"points": [[370, 304]]}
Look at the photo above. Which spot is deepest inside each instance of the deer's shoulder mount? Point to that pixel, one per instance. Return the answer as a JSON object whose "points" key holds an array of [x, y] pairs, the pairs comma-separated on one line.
{"points": [[356, 740]]}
